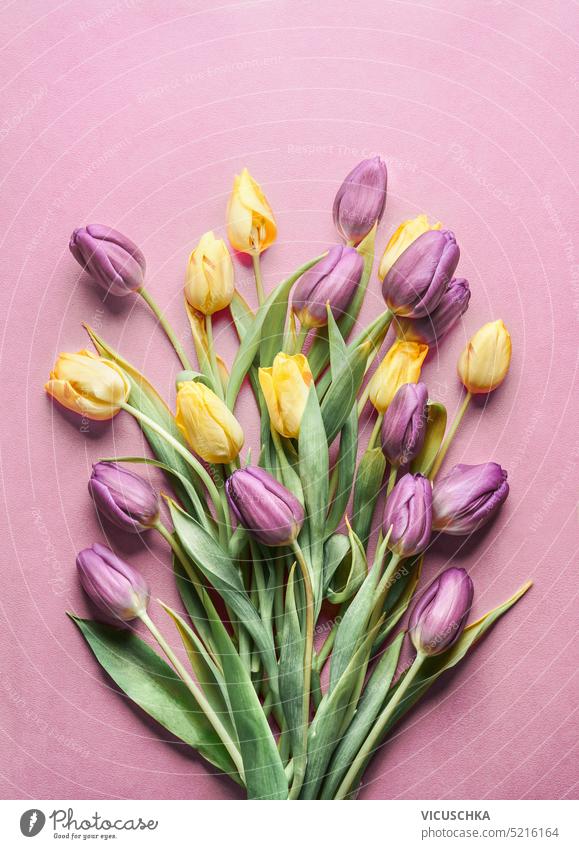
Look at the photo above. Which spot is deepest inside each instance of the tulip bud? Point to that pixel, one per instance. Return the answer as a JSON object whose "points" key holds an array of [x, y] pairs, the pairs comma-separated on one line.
{"points": [[285, 387], [402, 364], [264, 507], [123, 497], [209, 280], [484, 363], [440, 614], [114, 261], [116, 588], [432, 328], [88, 385], [251, 226], [468, 497], [418, 279], [207, 423], [402, 238], [408, 512], [404, 424], [360, 200], [333, 280]]}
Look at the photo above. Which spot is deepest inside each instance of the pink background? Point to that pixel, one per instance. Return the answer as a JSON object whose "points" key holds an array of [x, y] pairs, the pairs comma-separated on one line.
{"points": [[137, 114]]}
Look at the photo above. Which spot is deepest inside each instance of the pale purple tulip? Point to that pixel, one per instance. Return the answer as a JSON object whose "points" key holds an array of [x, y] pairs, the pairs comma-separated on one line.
{"points": [[468, 497], [269, 511], [408, 512], [360, 200], [415, 284], [333, 280], [440, 614], [112, 259], [123, 497], [116, 588], [404, 424], [432, 328]]}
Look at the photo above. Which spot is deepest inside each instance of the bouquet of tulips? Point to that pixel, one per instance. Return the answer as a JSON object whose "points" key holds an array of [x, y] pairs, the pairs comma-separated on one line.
{"points": [[264, 550]]}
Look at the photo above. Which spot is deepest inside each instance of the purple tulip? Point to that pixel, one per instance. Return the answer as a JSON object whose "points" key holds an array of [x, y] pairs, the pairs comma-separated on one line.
{"points": [[124, 497], [262, 505], [116, 588], [440, 614], [360, 200], [333, 280], [114, 261], [415, 284], [404, 424], [408, 512], [431, 329], [468, 497]]}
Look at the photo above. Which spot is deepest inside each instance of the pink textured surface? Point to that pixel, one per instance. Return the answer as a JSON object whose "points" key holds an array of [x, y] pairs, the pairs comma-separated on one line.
{"points": [[137, 114]]}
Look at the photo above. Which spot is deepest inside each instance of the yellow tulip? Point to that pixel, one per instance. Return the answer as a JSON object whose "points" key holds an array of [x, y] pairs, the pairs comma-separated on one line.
{"points": [[484, 363], [251, 226], [88, 385], [402, 238], [209, 427], [402, 364], [209, 280], [285, 387]]}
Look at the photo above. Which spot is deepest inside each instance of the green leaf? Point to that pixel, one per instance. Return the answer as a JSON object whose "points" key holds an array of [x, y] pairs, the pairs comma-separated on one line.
{"points": [[435, 427], [404, 583], [341, 395], [218, 568], [368, 709], [345, 470], [241, 313], [367, 488], [336, 549], [146, 399], [327, 726], [291, 669], [356, 571], [313, 468], [252, 338], [319, 354], [151, 683]]}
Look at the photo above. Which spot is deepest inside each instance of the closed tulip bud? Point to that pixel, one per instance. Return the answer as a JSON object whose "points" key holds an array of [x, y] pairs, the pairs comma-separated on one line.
{"points": [[209, 280], [404, 424], [408, 512], [285, 387], [123, 497], [333, 280], [251, 226], [468, 497], [264, 507], [440, 614], [431, 329], [402, 364], [415, 284], [88, 385], [360, 200], [116, 588], [402, 238], [484, 363], [207, 424], [114, 261]]}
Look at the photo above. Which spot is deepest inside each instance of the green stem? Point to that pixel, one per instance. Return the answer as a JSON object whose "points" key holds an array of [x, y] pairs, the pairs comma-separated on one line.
{"points": [[301, 759], [371, 740], [171, 335], [383, 587], [450, 436], [376, 431], [327, 646], [217, 385], [258, 278], [301, 338], [391, 479], [196, 692]]}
